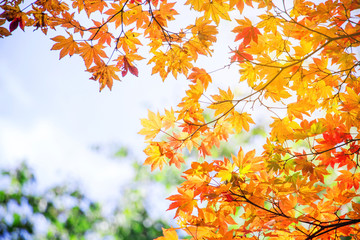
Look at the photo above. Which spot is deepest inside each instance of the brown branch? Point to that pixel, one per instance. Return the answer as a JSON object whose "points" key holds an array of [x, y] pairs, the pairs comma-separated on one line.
{"points": [[332, 227]]}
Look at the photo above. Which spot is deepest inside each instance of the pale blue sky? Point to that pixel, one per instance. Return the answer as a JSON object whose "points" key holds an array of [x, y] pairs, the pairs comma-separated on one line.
{"points": [[51, 113]]}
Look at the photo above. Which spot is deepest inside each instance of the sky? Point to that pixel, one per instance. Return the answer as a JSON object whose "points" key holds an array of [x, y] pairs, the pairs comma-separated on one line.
{"points": [[52, 115]]}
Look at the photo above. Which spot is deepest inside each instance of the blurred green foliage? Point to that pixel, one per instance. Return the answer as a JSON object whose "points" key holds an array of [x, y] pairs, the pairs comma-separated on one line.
{"points": [[63, 212]]}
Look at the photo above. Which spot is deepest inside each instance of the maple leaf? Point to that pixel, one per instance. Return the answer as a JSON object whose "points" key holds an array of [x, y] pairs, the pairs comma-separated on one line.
{"points": [[304, 48], [165, 13], [169, 119], [175, 158], [201, 75], [138, 16], [246, 31], [4, 32], [65, 45], [297, 109], [114, 15], [184, 201], [104, 74], [176, 60], [68, 21], [270, 23], [241, 121], [89, 6], [349, 179], [216, 10], [240, 4], [226, 170], [205, 32], [204, 149], [129, 41], [242, 160], [197, 5], [156, 157], [125, 63], [241, 56], [91, 54], [101, 33], [288, 205], [356, 207], [152, 125], [129, 67], [283, 129], [18, 21], [332, 137], [351, 99], [169, 234], [223, 102]]}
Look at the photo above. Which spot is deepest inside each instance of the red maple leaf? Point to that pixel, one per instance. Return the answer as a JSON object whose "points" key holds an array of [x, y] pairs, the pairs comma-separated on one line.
{"points": [[128, 67], [240, 55]]}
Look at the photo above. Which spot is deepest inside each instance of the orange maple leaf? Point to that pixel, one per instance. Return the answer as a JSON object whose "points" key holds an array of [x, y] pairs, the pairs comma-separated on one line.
{"points": [[201, 75], [348, 179], [91, 54], [184, 201], [240, 4], [104, 74], [65, 45], [101, 33], [246, 31]]}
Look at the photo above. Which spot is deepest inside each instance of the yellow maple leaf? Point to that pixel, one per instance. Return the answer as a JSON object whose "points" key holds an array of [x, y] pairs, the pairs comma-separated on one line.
{"points": [[129, 41], [197, 5], [226, 170], [155, 158], [205, 32], [241, 121], [169, 119], [223, 102], [305, 48], [169, 234], [216, 10], [283, 129], [351, 99], [152, 125], [269, 22], [242, 160]]}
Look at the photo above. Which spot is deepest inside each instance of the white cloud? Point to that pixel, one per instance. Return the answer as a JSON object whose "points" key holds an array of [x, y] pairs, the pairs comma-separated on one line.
{"points": [[57, 157]]}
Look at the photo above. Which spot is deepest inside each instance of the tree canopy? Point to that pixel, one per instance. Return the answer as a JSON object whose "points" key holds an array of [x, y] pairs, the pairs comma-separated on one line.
{"points": [[299, 61]]}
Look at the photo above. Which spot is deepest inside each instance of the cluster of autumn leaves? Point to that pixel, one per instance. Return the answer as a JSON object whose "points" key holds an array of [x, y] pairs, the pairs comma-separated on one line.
{"points": [[300, 61]]}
